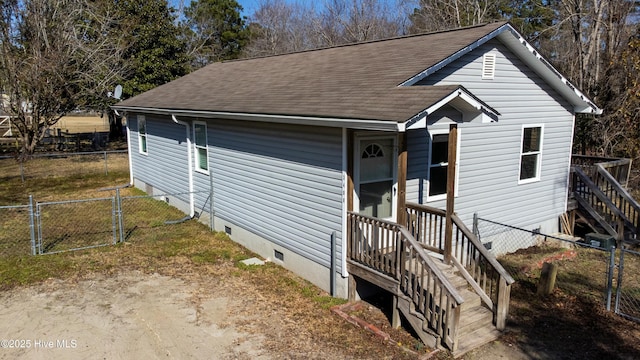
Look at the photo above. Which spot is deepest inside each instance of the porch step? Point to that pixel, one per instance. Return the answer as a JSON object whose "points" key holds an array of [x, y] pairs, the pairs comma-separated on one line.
{"points": [[476, 326], [475, 339]]}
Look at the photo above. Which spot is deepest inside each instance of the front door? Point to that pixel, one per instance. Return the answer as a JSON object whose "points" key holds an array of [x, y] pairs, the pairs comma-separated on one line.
{"points": [[375, 177]]}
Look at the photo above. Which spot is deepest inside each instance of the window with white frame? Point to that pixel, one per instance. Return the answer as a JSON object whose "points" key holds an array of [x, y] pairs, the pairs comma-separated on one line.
{"points": [[438, 165], [142, 134], [200, 144], [531, 153]]}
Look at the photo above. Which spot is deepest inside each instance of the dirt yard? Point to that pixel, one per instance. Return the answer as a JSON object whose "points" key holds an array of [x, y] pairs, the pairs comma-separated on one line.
{"points": [[127, 316]]}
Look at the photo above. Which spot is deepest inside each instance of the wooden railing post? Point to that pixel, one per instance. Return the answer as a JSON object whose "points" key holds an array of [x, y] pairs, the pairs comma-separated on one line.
{"points": [[504, 292], [451, 190]]}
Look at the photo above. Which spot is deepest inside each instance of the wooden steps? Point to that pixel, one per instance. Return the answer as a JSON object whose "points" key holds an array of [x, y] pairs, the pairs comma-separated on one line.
{"points": [[476, 326]]}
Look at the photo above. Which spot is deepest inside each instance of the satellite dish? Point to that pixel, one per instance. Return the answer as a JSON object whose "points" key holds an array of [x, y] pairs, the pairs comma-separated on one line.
{"points": [[118, 92]]}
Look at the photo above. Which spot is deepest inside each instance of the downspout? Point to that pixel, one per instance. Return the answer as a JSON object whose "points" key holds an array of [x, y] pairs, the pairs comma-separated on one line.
{"points": [[192, 204], [130, 156]]}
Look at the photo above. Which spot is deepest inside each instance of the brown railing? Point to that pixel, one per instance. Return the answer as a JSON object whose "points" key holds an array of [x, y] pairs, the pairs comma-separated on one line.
{"points": [[610, 177], [606, 201], [481, 269], [389, 248], [619, 168]]}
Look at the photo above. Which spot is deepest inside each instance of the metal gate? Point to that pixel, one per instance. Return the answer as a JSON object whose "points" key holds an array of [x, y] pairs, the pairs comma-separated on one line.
{"points": [[628, 290], [75, 224]]}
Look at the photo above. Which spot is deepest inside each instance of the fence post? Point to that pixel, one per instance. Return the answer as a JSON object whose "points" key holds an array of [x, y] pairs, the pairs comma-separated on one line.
{"points": [[211, 208], [119, 215], [22, 170], [475, 230], [106, 167], [612, 264], [619, 284], [32, 226]]}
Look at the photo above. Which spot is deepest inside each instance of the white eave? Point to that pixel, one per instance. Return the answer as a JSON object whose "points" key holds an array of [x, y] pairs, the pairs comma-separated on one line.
{"points": [[461, 99], [532, 58], [360, 124]]}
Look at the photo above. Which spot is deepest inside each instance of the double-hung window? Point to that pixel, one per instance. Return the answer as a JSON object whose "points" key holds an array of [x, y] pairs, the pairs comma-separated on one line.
{"points": [[142, 134], [531, 153], [200, 144], [439, 164]]}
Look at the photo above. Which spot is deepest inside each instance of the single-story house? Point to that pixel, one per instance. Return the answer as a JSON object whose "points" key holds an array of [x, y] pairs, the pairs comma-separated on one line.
{"points": [[288, 145]]}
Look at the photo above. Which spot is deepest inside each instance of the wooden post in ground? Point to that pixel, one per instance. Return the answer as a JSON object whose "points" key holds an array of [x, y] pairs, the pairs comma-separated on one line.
{"points": [[451, 190], [547, 278]]}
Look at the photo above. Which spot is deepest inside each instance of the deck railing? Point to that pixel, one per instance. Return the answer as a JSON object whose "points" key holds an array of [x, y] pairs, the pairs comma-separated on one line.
{"points": [[481, 269], [604, 191], [390, 249], [619, 168]]}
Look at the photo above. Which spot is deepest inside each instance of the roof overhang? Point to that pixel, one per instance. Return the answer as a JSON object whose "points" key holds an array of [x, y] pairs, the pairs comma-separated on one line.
{"points": [[358, 124], [531, 57], [461, 99]]}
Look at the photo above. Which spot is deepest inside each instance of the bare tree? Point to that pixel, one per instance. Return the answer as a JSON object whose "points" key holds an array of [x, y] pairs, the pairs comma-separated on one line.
{"points": [[55, 55], [436, 15], [280, 27]]}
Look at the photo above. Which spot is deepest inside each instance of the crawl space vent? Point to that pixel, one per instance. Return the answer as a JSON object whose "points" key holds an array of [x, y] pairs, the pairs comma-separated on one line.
{"points": [[488, 66], [278, 255]]}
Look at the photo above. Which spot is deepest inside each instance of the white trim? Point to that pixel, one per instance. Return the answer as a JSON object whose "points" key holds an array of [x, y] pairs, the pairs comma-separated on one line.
{"points": [[458, 142], [530, 56], [573, 130], [196, 147], [394, 171], [461, 93], [345, 196], [539, 153], [145, 151], [358, 124], [192, 201]]}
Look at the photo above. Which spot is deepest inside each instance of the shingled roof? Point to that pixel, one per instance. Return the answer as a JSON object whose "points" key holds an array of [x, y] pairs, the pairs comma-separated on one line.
{"points": [[350, 82], [356, 82]]}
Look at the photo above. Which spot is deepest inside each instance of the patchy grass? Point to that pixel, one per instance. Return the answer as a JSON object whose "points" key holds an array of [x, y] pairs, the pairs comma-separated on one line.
{"points": [[571, 323], [188, 250]]}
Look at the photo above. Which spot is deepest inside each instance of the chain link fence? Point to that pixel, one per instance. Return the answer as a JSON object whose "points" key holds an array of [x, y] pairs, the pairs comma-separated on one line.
{"points": [[595, 270], [65, 164], [57, 226], [628, 292], [16, 226]]}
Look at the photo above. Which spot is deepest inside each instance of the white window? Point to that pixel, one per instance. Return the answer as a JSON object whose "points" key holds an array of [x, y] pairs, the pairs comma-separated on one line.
{"points": [[142, 134], [531, 153], [439, 164], [200, 143]]}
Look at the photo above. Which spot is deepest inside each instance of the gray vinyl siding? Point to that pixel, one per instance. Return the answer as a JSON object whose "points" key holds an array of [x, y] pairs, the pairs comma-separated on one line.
{"points": [[165, 166], [490, 152], [283, 183]]}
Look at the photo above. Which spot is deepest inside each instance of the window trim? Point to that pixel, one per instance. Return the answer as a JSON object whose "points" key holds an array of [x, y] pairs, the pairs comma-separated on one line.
{"points": [[430, 198], [142, 150], [196, 154], [539, 153]]}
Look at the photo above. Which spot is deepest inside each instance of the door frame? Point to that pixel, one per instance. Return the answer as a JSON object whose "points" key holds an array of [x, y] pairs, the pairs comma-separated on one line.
{"points": [[358, 138]]}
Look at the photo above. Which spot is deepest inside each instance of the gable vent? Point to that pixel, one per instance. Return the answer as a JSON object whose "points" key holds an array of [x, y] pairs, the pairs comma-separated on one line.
{"points": [[488, 66]]}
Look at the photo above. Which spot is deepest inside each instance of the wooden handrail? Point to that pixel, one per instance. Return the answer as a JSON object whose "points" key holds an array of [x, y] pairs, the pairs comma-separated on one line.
{"points": [[481, 269], [628, 206], [390, 249], [483, 250], [611, 211]]}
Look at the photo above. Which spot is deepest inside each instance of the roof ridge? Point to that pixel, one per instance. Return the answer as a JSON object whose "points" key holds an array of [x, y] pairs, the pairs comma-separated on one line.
{"points": [[407, 36]]}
